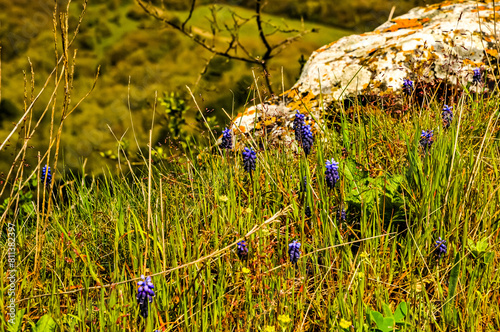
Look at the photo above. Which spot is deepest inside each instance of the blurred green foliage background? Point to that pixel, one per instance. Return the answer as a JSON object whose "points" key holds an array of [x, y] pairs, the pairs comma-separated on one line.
{"points": [[127, 44]]}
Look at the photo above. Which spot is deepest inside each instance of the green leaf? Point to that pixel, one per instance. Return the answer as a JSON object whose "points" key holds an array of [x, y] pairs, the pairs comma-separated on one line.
{"points": [[378, 318], [16, 326], [452, 286], [488, 258], [401, 312], [45, 324], [482, 245], [388, 325], [387, 310], [89, 265]]}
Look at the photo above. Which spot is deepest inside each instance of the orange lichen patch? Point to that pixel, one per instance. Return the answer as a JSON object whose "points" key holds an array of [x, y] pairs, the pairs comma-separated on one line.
{"points": [[407, 34], [292, 93], [241, 115], [475, 10], [491, 52], [442, 4], [286, 94], [306, 100], [472, 63], [324, 48], [408, 23], [491, 18], [478, 8], [269, 121]]}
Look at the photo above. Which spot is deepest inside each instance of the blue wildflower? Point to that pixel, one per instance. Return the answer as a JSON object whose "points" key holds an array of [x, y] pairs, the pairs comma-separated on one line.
{"points": [[145, 291], [227, 139], [298, 123], [294, 252], [407, 86], [249, 158], [332, 173], [447, 116], [341, 214], [441, 247], [242, 250], [46, 175], [426, 139], [307, 139], [476, 78]]}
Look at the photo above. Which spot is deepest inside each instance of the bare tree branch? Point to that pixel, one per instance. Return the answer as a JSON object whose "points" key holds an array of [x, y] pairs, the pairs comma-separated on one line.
{"points": [[193, 2], [230, 51], [282, 45], [269, 49], [156, 13], [204, 70]]}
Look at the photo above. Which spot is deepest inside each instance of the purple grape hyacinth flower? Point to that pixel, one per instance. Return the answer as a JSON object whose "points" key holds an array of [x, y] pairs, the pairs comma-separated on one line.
{"points": [[145, 291], [476, 78], [298, 123], [46, 175], [294, 252], [447, 116], [242, 250], [441, 247], [341, 214], [307, 139], [407, 86], [426, 139], [249, 158], [332, 173], [227, 139]]}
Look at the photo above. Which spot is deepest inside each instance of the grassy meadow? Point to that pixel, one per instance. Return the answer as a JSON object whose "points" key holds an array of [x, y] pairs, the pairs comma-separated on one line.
{"points": [[84, 242], [407, 238], [136, 56]]}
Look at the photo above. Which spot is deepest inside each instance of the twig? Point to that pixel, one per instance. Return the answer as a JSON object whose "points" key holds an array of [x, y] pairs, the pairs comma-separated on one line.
{"points": [[157, 15], [193, 2], [258, 18], [197, 35]]}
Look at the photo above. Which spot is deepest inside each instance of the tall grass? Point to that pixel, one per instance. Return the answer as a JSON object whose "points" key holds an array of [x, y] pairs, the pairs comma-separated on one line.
{"points": [[82, 242], [100, 236]]}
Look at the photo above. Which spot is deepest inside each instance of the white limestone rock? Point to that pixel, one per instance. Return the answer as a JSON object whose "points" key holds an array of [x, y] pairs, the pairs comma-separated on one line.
{"points": [[438, 43]]}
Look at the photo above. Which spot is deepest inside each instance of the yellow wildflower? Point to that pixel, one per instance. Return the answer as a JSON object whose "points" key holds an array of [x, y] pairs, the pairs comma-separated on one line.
{"points": [[345, 324], [284, 319]]}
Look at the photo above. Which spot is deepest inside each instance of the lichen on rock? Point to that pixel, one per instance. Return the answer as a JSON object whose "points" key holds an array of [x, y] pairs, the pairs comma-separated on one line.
{"points": [[437, 44]]}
